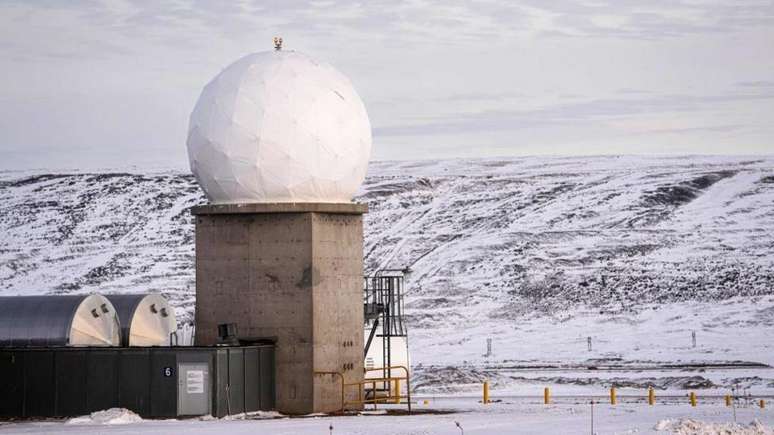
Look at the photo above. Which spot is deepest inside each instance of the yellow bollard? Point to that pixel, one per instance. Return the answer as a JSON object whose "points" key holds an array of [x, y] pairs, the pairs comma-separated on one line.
{"points": [[612, 396], [651, 396], [693, 398], [546, 396], [762, 403], [397, 391], [486, 392], [728, 400], [426, 402]]}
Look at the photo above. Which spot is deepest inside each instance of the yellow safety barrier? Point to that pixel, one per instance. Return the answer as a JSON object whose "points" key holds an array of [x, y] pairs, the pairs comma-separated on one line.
{"points": [[389, 399], [546, 396], [612, 396], [651, 396], [362, 398], [692, 398], [486, 392]]}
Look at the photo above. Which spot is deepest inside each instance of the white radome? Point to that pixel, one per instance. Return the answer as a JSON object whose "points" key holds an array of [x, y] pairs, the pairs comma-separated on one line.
{"points": [[278, 126]]}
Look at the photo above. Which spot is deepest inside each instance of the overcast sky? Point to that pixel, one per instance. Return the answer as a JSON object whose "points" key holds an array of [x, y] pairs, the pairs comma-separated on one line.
{"points": [[88, 84]]}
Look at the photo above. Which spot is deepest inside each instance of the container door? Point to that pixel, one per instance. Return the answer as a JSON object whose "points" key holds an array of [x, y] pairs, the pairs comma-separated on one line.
{"points": [[193, 389]]}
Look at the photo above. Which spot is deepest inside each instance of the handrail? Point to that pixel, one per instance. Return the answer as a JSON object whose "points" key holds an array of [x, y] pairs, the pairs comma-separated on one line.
{"points": [[405, 369], [373, 382], [342, 385], [408, 381]]}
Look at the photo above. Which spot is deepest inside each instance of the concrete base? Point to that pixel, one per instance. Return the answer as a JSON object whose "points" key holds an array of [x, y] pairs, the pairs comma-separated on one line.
{"points": [[290, 272]]}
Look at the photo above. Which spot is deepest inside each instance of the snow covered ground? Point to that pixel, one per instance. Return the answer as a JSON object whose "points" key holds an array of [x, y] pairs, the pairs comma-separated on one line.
{"points": [[651, 347], [511, 416], [538, 254]]}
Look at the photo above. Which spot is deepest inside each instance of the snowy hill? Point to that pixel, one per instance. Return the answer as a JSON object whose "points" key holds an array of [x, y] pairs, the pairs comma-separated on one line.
{"points": [[561, 233], [633, 251]]}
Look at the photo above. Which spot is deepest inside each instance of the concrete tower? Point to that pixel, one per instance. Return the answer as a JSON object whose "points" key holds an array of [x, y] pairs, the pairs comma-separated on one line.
{"points": [[280, 143]]}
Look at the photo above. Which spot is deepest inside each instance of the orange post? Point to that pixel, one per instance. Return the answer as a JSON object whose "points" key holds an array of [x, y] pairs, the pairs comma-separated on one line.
{"points": [[651, 396]]}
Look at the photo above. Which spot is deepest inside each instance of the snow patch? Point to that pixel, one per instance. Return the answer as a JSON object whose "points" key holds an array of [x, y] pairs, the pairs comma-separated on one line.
{"points": [[693, 427], [256, 415], [110, 416]]}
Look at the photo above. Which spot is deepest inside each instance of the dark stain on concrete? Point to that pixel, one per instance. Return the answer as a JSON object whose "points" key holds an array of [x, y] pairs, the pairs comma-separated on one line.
{"points": [[310, 277]]}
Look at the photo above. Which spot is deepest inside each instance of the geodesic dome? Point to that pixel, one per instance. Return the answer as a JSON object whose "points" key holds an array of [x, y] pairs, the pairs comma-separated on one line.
{"points": [[279, 126]]}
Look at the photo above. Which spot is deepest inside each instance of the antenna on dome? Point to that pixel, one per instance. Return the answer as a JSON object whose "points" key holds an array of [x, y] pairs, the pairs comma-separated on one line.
{"points": [[277, 43]]}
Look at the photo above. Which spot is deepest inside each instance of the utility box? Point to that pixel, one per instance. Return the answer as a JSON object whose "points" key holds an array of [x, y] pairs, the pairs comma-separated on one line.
{"points": [[163, 382]]}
